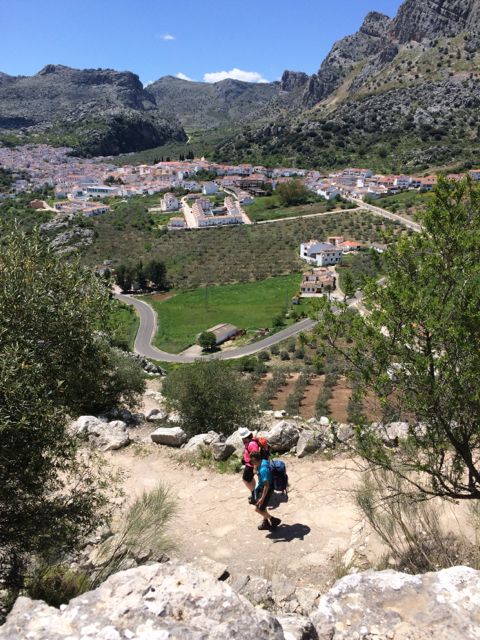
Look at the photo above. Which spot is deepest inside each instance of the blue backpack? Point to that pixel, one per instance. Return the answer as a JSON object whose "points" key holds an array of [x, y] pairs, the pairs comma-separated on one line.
{"points": [[280, 477]]}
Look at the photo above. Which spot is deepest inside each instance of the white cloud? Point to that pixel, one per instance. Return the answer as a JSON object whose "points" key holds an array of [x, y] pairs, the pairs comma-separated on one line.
{"points": [[147, 83], [236, 74], [182, 76], [168, 36]]}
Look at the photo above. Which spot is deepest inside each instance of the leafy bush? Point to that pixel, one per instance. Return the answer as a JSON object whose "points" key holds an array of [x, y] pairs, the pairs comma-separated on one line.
{"points": [[57, 584], [210, 395]]}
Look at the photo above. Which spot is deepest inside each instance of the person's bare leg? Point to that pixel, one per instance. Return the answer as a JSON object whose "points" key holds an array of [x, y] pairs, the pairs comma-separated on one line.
{"points": [[264, 514], [250, 485]]}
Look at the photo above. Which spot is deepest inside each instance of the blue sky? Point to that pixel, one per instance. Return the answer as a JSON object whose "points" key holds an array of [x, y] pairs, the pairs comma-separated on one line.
{"points": [[168, 37]]}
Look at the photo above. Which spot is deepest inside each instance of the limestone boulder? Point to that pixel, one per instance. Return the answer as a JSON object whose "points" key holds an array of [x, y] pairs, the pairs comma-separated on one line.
{"points": [[297, 628], [237, 443], [158, 601], [202, 440], [388, 604], [84, 424], [107, 436], [344, 432], [283, 436], [222, 450], [170, 436], [309, 442], [156, 415]]}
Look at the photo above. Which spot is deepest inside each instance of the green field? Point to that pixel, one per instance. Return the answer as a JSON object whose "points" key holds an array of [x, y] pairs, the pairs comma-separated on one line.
{"points": [[247, 306], [123, 325], [270, 208]]}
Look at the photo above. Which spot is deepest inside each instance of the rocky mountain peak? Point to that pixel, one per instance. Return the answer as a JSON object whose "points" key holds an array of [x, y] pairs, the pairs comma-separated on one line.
{"points": [[292, 80], [419, 19], [376, 24]]}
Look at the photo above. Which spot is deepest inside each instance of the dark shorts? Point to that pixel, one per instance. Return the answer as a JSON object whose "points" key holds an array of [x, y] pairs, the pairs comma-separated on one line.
{"points": [[264, 504], [247, 473]]}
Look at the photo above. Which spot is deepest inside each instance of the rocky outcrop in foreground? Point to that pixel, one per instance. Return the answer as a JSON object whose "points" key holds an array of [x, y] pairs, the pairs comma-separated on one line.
{"points": [[179, 602]]}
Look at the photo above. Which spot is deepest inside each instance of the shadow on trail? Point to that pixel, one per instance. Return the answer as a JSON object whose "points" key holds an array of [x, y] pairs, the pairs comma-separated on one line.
{"points": [[289, 532], [277, 499]]}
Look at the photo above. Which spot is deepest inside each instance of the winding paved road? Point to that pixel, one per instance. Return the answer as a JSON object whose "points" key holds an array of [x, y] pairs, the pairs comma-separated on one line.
{"points": [[148, 317], [148, 328]]}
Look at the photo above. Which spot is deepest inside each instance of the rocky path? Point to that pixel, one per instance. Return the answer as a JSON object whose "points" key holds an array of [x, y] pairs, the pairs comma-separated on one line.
{"points": [[215, 520]]}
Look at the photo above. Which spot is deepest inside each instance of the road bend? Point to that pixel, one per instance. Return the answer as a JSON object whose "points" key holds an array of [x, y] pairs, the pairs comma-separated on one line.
{"points": [[148, 328]]}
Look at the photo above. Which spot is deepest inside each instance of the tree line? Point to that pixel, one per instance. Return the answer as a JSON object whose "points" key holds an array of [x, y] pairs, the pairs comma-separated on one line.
{"points": [[140, 276]]}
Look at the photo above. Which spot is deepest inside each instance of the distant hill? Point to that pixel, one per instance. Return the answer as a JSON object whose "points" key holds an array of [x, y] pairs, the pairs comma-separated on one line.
{"points": [[200, 105], [402, 93], [97, 111]]}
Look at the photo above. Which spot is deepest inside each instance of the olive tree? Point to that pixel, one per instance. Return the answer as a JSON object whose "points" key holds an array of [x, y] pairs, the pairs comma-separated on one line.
{"points": [[418, 349]]}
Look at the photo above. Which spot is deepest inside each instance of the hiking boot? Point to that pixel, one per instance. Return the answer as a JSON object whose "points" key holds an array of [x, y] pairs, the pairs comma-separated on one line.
{"points": [[275, 522], [265, 526]]}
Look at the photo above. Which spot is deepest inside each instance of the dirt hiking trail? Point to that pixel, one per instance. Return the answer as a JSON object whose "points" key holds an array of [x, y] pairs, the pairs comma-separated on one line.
{"points": [[215, 520]]}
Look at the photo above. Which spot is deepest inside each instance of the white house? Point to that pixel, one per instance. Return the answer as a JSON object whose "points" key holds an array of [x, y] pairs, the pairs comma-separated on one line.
{"points": [[328, 192], [209, 188], [169, 202], [402, 182], [321, 254]]}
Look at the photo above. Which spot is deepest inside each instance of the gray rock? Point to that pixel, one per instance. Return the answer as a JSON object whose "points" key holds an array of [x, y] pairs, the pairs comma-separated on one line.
{"points": [[202, 440], [388, 604], [297, 628], [282, 589], [396, 431], [236, 441], [282, 436], [344, 432], [216, 569], [259, 592], [158, 601], [307, 599], [171, 436], [308, 442], [106, 436], [222, 450], [156, 414], [324, 421], [113, 436], [84, 424]]}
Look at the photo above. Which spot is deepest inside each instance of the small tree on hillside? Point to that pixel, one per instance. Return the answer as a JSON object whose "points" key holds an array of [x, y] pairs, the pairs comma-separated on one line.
{"points": [[418, 349], [207, 340], [292, 193], [210, 395]]}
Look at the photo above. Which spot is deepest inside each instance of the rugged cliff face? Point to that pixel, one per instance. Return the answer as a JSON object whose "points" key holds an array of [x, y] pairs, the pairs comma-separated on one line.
{"points": [[345, 54], [96, 110], [419, 19]]}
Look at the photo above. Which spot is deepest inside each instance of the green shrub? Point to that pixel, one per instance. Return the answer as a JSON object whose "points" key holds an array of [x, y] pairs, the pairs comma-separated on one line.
{"points": [[57, 584]]}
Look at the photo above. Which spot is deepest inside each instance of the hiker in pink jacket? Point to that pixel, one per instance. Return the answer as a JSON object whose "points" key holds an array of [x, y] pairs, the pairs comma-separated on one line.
{"points": [[250, 445]]}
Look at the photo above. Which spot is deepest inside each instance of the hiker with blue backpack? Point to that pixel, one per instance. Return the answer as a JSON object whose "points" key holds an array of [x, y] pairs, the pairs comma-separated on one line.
{"points": [[263, 491]]}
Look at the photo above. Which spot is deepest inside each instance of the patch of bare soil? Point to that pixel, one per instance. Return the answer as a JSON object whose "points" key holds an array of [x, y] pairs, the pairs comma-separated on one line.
{"points": [[279, 400], [161, 297], [307, 405], [260, 386], [372, 408], [338, 403]]}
